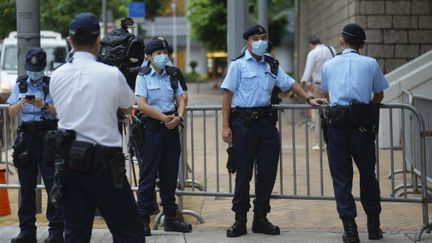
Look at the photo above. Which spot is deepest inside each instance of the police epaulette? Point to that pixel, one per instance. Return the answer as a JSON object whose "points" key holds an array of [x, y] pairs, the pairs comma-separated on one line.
{"points": [[144, 70], [23, 77], [241, 55], [171, 70]]}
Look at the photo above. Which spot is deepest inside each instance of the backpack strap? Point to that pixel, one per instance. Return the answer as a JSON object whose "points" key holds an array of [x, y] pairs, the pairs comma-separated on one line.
{"points": [[274, 64], [174, 75]]}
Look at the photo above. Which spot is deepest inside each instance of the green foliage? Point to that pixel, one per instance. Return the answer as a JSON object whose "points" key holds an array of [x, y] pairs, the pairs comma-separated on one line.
{"points": [[208, 19], [7, 17], [194, 77]]}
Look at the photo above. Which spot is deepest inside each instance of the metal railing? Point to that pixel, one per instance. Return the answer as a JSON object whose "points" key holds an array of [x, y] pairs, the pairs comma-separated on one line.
{"points": [[302, 173]]}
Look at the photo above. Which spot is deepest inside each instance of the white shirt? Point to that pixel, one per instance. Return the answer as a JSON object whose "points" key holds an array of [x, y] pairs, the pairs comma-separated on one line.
{"points": [[87, 95], [315, 61]]}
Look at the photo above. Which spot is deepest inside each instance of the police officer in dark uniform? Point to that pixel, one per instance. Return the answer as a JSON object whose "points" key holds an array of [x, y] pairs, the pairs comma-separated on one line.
{"points": [[249, 125], [355, 84], [159, 90], [89, 94], [30, 99]]}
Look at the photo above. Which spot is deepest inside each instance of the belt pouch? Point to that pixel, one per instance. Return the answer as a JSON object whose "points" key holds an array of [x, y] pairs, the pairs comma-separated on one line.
{"points": [[81, 156]]}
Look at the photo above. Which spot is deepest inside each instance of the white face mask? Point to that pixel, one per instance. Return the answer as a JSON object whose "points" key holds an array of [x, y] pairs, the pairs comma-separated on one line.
{"points": [[259, 47], [160, 61], [35, 75]]}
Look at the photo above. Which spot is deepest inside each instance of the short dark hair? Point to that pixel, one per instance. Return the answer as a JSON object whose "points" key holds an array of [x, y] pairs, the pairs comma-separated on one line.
{"points": [[354, 42], [314, 40], [84, 38]]}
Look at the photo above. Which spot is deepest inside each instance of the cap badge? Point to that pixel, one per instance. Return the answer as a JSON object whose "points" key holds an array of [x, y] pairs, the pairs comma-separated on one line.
{"points": [[33, 60]]}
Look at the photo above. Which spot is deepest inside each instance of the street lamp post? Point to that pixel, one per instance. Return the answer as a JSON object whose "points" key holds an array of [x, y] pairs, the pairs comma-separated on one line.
{"points": [[174, 15]]}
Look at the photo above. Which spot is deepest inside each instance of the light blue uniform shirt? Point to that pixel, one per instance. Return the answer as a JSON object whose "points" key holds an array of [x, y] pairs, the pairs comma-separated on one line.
{"points": [[352, 77], [29, 112], [252, 82], [157, 90]]}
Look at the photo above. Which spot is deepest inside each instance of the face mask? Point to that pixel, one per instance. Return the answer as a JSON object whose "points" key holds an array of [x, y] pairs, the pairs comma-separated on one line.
{"points": [[259, 47], [35, 75], [160, 61]]}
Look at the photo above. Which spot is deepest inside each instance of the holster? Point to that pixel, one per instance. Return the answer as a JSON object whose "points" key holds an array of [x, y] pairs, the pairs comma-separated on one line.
{"points": [[324, 123], [338, 116], [20, 154], [360, 114], [230, 161], [81, 157]]}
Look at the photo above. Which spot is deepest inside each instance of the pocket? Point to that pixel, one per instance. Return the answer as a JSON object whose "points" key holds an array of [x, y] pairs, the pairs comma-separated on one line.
{"points": [[249, 80], [153, 93]]}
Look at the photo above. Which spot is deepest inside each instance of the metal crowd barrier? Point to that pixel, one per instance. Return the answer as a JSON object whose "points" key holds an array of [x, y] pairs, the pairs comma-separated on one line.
{"points": [[303, 173]]}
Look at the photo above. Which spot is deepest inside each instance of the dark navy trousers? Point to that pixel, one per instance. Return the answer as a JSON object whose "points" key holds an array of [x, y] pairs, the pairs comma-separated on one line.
{"points": [[255, 142], [345, 145], [83, 192], [160, 157], [27, 174]]}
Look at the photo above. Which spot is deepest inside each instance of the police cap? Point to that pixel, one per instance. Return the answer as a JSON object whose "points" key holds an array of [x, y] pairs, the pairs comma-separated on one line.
{"points": [[85, 22], [354, 31], [158, 43], [35, 59], [253, 30]]}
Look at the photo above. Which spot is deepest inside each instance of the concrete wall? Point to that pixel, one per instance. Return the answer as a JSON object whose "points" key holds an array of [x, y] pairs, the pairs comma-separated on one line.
{"points": [[397, 30]]}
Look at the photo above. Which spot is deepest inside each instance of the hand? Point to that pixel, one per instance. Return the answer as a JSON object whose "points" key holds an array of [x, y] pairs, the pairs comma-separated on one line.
{"points": [[227, 134], [318, 101], [173, 123], [37, 102]]}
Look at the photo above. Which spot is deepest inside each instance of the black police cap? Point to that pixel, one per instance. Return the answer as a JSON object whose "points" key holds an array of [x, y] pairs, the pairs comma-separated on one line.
{"points": [[35, 59], [86, 22], [158, 43], [253, 30], [354, 31]]}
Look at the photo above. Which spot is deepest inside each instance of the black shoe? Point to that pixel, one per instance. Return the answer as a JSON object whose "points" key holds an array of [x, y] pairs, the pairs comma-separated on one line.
{"points": [[239, 226], [25, 238], [261, 224], [146, 222], [174, 224], [57, 238], [373, 226], [350, 234]]}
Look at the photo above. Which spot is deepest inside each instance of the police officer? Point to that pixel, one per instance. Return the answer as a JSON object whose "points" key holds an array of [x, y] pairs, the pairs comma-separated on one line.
{"points": [[30, 100], [88, 94], [355, 84], [159, 91], [250, 127]]}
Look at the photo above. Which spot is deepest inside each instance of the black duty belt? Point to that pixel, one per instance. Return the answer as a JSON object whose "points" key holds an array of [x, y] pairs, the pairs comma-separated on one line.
{"points": [[252, 113], [38, 126]]}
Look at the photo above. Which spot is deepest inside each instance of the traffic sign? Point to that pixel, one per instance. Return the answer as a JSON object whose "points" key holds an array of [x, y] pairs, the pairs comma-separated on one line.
{"points": [[136, 10]]}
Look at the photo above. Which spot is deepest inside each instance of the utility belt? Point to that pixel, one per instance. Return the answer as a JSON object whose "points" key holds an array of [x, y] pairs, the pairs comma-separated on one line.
{"points": [[251, 114], [37, 126], [154, 124], [357, 114]]}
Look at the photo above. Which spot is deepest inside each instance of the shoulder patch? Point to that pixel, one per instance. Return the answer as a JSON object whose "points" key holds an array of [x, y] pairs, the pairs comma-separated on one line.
{"points": [[144, 70], [241, 55]]}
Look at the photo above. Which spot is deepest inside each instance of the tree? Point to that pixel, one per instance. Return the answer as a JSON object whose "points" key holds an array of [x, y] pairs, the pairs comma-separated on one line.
{"points": [[7, 17], [57, 14], [208, 20]]}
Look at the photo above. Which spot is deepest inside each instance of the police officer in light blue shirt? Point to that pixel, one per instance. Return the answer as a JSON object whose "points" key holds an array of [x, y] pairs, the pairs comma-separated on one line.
{"points": [[249, 125], [355, 85], [159, 92], [31, 101]]}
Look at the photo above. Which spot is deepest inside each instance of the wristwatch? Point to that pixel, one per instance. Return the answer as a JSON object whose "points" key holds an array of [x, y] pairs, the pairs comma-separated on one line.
{"points": [[181, 119], [46, 106], [310, 97]]}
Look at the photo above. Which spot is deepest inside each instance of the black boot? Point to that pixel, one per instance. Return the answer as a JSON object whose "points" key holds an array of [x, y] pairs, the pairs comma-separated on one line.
{"points": [[146, 221], [25, 238], [373, 226], [350, 235], [54, 238], [261, 224], [172, 223], [239, 226]]}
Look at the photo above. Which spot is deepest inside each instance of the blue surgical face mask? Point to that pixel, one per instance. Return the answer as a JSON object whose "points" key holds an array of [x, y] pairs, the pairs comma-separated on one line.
{"points": [[160, 61], [35, 75], [259, 48]]}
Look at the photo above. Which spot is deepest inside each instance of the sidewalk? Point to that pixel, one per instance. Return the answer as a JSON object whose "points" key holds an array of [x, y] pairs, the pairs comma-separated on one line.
{"points": [[216, 236]]}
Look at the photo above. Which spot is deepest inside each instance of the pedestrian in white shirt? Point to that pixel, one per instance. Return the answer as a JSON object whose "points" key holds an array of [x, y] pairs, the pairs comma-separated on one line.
{"points": [[316, 58]]}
